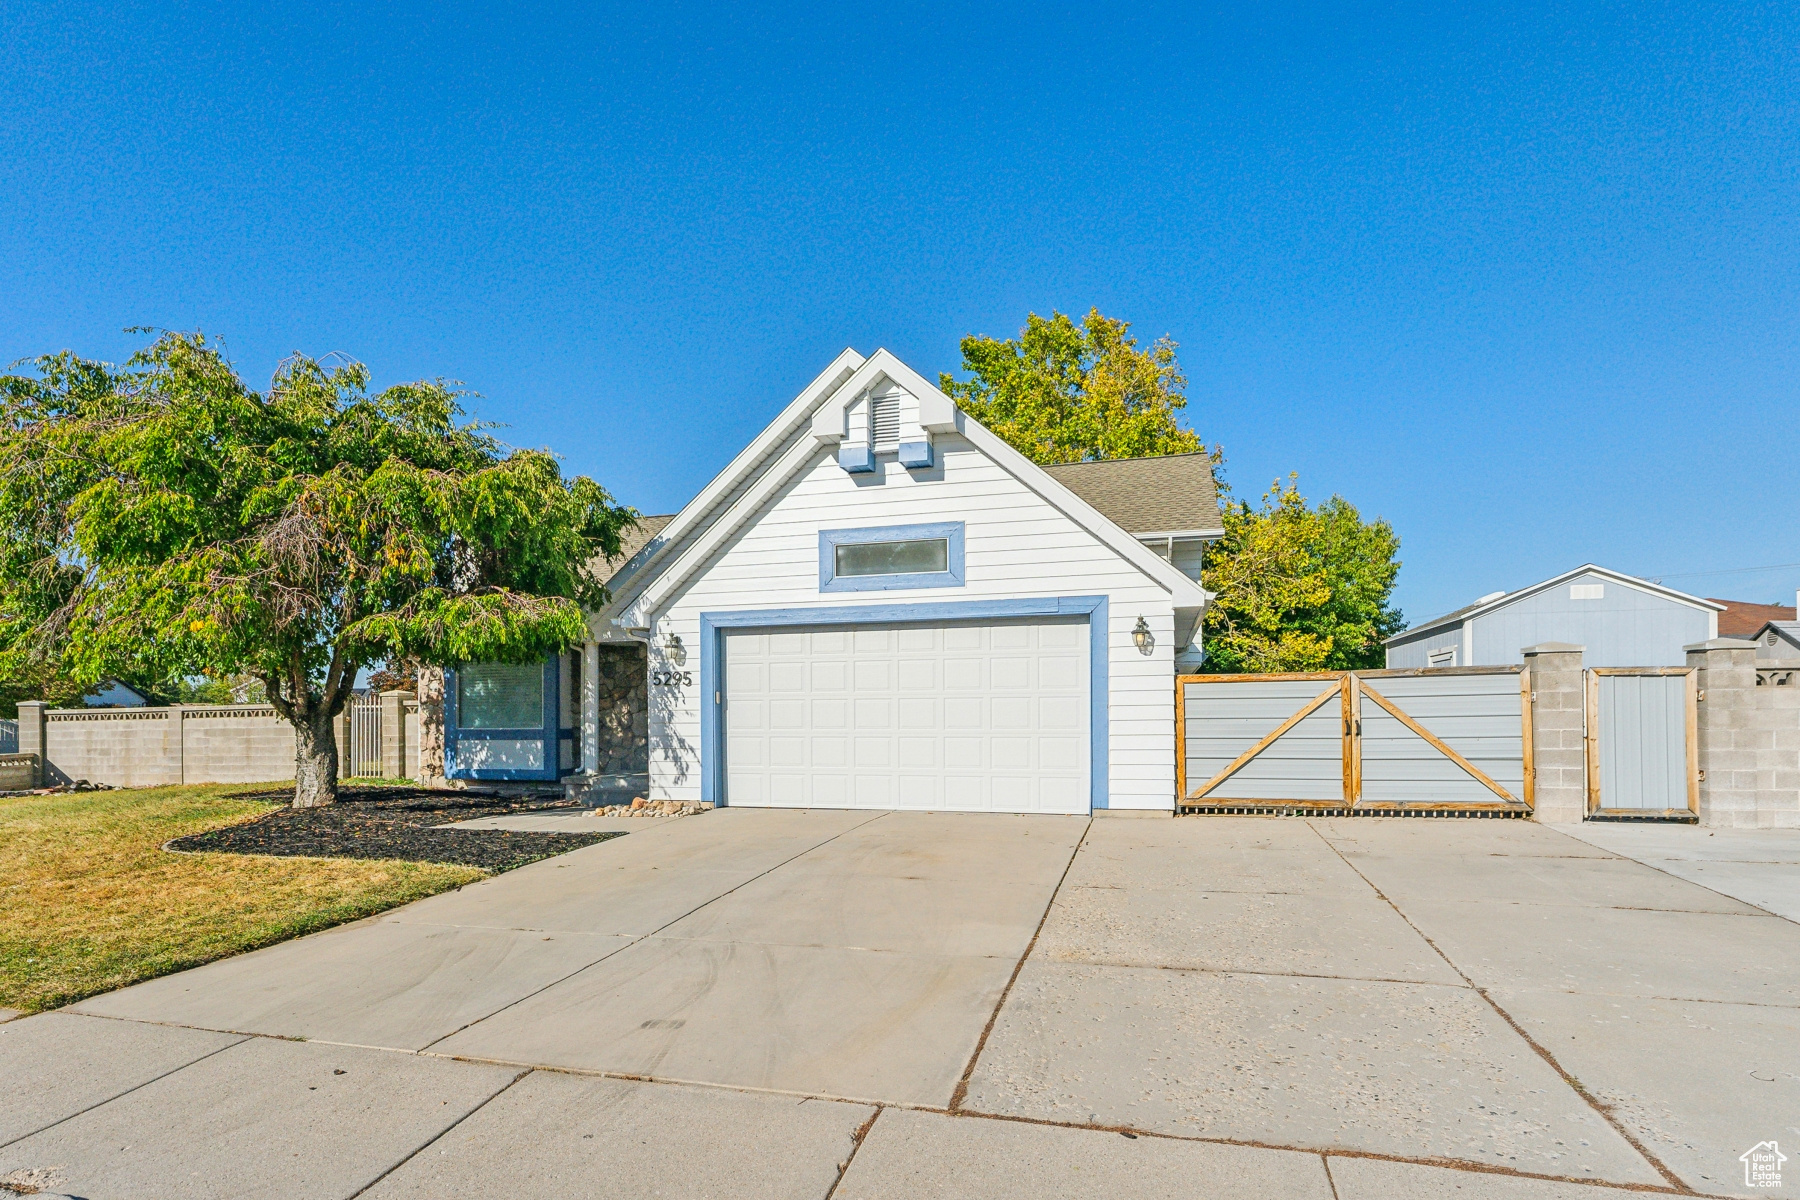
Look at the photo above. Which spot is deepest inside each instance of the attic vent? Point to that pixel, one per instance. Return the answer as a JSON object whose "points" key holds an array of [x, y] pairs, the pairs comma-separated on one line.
{"points": [[884, 420], [1587, 591]]}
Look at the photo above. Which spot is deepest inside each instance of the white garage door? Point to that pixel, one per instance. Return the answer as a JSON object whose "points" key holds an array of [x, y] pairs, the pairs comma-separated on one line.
{"points": [[982, 717]]}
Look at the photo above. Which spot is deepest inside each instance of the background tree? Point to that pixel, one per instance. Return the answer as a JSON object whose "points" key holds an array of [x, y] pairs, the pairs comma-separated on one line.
{"points": [[1299, 588], [163, 521], [1064, 392]]}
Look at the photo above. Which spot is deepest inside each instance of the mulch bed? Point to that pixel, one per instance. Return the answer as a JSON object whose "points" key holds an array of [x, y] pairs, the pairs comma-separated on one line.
{"points": [[396, 822]]}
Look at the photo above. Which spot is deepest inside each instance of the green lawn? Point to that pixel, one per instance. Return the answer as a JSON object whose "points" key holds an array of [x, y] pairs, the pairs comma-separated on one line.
{"points": [[90, 902]]}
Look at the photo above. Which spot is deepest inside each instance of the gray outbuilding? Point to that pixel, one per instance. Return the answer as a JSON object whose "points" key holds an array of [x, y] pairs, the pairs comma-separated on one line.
{"points": [[1622, 621]]}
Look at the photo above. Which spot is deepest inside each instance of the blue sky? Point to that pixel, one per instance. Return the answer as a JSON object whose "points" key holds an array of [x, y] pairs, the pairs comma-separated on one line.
{"points": [[1520, 279]]}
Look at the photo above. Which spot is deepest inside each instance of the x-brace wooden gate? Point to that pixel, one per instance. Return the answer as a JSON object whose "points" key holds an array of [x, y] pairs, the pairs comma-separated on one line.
{"points": [[1401, 741]]}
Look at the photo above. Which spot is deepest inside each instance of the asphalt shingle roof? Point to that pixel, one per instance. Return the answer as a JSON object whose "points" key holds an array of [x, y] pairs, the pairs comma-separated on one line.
{"points": [[1171, 494], [1743, 619]]}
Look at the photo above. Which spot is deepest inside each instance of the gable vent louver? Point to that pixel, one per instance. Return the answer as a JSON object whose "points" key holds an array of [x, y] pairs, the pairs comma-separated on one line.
{"points": [[884, 420]]}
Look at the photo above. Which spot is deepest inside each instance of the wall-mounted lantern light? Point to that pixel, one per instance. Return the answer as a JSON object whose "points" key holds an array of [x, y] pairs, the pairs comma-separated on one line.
{"points": [[1142, 638], [676, 652]]}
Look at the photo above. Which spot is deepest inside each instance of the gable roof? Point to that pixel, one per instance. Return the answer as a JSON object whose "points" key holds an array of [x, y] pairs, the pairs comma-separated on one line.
{"points": [[1169, 494], [739, 492], [634, 538], [1739, 618], [1502, 599]]}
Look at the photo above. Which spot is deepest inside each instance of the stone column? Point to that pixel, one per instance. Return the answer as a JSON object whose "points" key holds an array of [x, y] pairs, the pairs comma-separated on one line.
{"points": [[431, 726], [590, 708], [1730, 731], [31, 739], [1558, 732], [393, 735]]}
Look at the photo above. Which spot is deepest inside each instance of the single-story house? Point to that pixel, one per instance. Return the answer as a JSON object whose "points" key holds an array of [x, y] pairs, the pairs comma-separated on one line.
{"points": [[1744, 619], [877, 604], [1622, 621], [1778, 641]]}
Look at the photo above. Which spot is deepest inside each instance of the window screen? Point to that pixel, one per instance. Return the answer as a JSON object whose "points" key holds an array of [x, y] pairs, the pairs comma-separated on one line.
{"points": [[500, 696], [920, 556]]}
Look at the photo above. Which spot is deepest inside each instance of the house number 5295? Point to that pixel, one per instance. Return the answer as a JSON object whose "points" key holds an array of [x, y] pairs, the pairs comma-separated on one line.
{"points": [[671, 678]]}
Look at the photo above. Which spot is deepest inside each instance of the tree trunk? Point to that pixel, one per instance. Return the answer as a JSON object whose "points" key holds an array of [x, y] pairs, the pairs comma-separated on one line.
{"points": [[315, 760]]}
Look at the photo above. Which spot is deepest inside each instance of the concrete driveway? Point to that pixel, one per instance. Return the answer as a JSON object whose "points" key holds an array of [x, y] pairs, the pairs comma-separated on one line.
{"points": [[856, 1005]]}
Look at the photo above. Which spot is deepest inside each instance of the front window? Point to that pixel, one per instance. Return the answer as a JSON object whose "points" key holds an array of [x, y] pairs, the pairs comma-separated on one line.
{"points": [[885, 557], [500, 696], [894, 558]]}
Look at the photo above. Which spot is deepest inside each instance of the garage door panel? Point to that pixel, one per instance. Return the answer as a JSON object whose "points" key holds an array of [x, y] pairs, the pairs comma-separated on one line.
{"points": [[969, 716], [1066, 715], [919, 712], [965, 675], [964, 714]]}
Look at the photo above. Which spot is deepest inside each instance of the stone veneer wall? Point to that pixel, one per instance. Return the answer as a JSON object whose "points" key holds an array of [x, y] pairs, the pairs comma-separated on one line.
{"points": [[624, 710]]}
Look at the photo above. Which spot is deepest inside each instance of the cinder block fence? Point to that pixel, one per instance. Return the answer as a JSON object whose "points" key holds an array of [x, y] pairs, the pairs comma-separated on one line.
{"points": [[1745, 742], [199, 743]]}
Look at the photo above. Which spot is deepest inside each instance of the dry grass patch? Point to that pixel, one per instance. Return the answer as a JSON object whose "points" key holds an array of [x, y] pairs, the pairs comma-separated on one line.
{"points": [[89, 901]]}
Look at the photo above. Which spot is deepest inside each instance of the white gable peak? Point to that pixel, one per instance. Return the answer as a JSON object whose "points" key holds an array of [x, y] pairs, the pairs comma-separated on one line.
{"points": [[885, 406]]}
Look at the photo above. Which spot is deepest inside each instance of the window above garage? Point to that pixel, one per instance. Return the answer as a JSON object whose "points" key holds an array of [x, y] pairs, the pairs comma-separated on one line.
{"points": [[890, 557]]}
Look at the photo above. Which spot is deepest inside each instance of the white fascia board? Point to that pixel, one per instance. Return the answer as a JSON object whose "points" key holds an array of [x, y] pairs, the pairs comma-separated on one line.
{"points": [[703, 547], [695, 512], [1630, 581], [1183, 535], [1183, 592], [937, 413]]}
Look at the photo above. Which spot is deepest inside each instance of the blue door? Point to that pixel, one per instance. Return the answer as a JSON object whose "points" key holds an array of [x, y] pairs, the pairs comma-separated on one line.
{"points": [[500, 720]]}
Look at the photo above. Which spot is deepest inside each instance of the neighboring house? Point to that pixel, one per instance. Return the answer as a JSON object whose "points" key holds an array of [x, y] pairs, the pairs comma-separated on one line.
{"points": [[110, 693], [1741, 619], [880, 604], [1778, 640], [1621, 621]]}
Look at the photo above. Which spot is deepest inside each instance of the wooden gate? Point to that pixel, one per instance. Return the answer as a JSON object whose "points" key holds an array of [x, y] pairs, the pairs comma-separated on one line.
{"points": [[1642, 759], [1441, 740]]}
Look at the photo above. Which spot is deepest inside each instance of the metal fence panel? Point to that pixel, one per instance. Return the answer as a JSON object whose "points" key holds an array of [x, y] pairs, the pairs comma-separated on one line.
{"points": [[9, 737], [1478, 716], [362, 757], [1643, 741], [1225, 719]]}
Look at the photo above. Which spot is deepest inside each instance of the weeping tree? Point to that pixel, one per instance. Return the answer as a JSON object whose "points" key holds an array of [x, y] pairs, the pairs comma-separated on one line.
{"points": [[161, 519]]}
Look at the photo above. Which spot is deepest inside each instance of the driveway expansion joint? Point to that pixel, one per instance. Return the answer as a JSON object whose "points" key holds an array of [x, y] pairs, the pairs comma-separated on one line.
{"points": [[962, 1085], [1599, 1106]]}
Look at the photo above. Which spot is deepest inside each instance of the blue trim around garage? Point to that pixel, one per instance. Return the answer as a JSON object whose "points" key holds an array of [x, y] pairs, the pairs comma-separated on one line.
{"points": [[831, 539], [549, 732], [713, 626]]}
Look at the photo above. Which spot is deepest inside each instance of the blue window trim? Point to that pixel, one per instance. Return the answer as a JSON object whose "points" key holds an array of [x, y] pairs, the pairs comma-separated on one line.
{"points": [[548, 732], [831, 539], [713, 627]]}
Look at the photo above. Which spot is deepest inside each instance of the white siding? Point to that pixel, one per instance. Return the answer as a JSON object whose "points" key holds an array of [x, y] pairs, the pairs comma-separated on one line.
{"points": [[1017, 545]]}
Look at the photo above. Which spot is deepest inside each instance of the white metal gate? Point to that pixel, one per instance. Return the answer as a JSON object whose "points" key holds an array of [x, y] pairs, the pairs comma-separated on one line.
{"points": [[1373, 741], [361, 757], [1641, 741]]}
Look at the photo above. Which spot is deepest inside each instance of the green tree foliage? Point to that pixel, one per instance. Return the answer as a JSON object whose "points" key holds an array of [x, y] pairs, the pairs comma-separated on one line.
{"points": [[1064, 392], [162, 521], [1299, 588]]}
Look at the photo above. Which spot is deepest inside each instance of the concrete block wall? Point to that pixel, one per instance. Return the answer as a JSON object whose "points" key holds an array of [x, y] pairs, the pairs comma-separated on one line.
{"points": [[1748, 729], [1558, 732]]}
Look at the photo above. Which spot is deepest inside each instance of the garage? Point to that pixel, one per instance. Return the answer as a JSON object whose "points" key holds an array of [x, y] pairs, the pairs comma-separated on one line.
{"points": [[977, 716]]}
